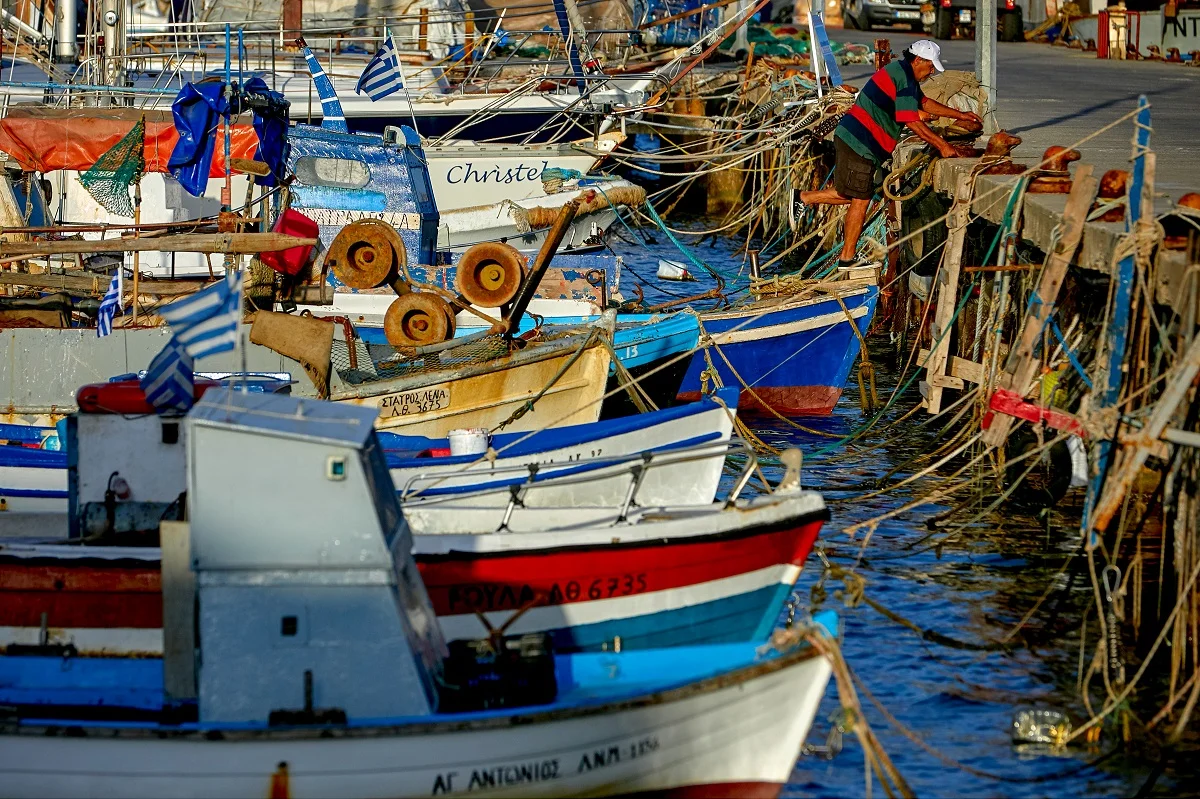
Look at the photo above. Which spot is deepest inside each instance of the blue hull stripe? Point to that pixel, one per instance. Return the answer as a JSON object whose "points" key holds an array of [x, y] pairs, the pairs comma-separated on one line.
{"points": [[743, 617]]}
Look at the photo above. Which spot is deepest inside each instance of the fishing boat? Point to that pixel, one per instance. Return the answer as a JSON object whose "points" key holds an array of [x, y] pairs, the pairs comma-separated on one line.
{"points": [[33, 479], [790, 354], [649, 349], [695, 436], [558, 380], [582, 571], [301, 657]]}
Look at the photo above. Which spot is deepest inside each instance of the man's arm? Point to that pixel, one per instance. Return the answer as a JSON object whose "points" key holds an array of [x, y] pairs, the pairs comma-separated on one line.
{"points": [[937, 142], [936, 109]]}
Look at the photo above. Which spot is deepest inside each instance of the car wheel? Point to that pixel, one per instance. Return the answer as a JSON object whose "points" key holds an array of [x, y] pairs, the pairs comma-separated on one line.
{"points": [[1012, 26], [863, 23], [943, 25], [848, 20]]}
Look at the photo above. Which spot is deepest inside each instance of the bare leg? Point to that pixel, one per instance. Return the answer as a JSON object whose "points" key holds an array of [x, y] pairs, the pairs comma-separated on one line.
{"points": [[853, 227], [823, 197]]}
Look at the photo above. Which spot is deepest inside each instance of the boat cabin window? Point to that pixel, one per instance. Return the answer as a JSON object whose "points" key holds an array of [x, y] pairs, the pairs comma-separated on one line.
{"points": [[338, 173]]}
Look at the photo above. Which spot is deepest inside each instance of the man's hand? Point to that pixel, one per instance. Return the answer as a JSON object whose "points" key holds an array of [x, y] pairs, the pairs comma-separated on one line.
{"points": [[971, 119], [946, 150]]}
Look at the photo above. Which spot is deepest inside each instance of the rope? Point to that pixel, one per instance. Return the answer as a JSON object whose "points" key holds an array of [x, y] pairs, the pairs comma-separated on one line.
{"points": [[527, 406]]}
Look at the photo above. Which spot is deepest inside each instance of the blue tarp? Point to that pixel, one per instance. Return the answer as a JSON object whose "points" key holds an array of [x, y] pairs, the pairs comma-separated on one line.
{"points": [[198, 110]]}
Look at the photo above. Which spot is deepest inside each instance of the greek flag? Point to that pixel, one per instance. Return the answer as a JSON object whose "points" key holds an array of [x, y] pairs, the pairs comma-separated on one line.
{"points": [[169, 383], [207, 322], [382, 75], [109, 306], [332, 116]]}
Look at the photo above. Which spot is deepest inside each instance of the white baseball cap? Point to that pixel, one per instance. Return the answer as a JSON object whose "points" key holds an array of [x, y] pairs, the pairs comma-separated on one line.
{"points": [[929, 51]]}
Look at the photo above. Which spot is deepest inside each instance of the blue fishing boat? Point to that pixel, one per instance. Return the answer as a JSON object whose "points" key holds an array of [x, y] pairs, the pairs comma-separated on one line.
{"points": [[791, 355], [35, 480]]}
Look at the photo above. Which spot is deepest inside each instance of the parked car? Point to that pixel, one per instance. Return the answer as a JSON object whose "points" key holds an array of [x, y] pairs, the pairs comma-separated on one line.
{"points": [[943, 19], [867, 14]]}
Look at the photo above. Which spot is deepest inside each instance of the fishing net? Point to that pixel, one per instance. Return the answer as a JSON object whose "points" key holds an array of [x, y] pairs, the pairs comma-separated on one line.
{"points": [[109, 179]]}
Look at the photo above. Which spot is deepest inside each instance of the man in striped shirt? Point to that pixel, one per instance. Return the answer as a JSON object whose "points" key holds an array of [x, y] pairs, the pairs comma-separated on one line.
{"points": [[868, 134]]}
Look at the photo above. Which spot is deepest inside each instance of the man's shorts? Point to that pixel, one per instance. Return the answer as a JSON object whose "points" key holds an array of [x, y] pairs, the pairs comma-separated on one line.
{"points": [[853, 175]]}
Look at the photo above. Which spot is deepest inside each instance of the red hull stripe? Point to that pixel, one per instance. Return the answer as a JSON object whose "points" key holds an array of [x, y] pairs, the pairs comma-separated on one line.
{"points": [[89, 597], [881, 136], [509, 582], [793, 401]]}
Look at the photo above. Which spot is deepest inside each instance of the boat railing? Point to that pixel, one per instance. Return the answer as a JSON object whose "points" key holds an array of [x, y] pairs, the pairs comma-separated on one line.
{"points": [[422, 486]]}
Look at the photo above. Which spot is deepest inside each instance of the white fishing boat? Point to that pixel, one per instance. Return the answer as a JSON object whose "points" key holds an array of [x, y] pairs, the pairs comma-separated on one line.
{"points": [[301, 658]]}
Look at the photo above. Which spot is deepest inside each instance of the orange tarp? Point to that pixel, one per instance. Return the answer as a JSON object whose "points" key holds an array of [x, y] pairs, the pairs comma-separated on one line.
{"points": [[44, 139]]}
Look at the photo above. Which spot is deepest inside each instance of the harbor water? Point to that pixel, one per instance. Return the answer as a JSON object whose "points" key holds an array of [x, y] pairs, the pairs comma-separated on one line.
{"points": [[972, 585]]}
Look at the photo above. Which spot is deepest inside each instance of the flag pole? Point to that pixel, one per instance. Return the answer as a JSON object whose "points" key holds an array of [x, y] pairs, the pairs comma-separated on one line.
{"points": [[137, 232], [412, 112], [227, 190]]}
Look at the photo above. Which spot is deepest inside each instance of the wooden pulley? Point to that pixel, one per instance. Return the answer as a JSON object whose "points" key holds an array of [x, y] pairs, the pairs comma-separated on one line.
{"points": [[365, 253], [489, 274], [417, 319]]}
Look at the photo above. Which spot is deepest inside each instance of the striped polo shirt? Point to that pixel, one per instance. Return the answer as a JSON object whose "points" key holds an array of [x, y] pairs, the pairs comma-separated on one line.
{"points": [[891, 98]]}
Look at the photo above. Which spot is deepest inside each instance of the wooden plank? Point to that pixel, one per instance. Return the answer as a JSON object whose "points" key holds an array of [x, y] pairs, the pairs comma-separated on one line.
{"points": [[81, 284], [1022, 365], [935, 365], [1133, 454], [958, 367], [239, 243], [179, 601]]}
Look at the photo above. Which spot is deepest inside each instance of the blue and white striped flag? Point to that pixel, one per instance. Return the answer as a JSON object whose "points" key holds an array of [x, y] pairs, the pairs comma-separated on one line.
{"points": [[207, 322], [382, 75], [109, 306], [169, 382], [332, 116]]}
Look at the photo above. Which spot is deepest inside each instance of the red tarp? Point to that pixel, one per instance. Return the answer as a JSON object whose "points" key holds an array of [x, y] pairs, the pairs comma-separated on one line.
{"points": [[44, 139]]}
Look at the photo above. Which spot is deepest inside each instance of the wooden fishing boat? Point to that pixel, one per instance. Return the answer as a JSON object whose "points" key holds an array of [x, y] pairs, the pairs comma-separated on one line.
{"points": [[34, 480], [649, 574], [790, 354], [722, 720], [695, 436], [304, 660], [558, 380]]}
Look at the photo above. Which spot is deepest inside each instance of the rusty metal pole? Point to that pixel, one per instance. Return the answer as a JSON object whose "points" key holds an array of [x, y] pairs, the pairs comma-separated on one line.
{"points": [[293, 18], [541, 263], [883, 53]]}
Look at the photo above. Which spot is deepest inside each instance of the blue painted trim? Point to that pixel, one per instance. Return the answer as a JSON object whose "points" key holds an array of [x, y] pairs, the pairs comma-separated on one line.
{"points": [[1118, 329], [550, 439], [339, 199], [34, 493], [552, 470]]}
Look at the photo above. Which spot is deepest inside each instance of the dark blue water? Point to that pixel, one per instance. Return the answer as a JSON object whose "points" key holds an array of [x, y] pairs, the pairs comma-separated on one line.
{"points": [[974, 589]]}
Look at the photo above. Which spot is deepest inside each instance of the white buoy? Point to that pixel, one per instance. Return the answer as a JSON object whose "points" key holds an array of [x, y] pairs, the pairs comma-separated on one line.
{"points": [[673, 270]]}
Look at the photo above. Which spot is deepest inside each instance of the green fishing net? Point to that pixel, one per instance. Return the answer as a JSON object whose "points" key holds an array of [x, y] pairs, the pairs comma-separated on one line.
{"points": [[109, 179]]}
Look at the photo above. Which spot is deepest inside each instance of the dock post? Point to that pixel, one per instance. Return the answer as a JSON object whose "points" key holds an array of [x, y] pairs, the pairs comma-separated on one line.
{"points": [[936, 378], [1022, 366]]}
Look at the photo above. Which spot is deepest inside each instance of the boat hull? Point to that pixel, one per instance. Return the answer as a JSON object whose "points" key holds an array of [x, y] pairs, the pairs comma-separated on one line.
{"points": [[694, 580], [489, 398], [602, 452], [740, 729], [793, 359]]}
